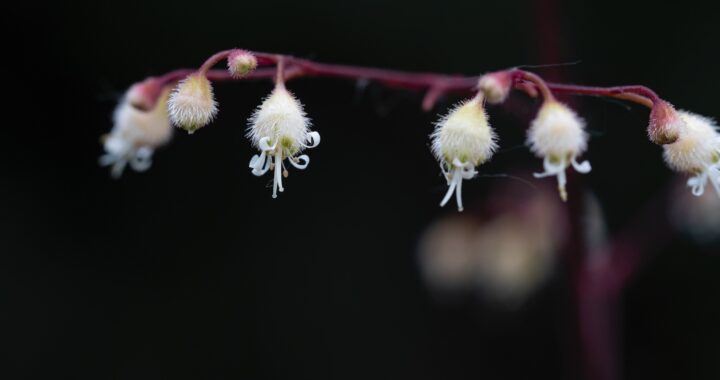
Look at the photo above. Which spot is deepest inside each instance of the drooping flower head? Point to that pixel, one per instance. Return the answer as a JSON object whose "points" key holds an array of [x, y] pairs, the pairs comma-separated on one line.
{"points": [[696, 152], [192, 104], [135, 135], [462, 140], [280, 129], [557, 135]]}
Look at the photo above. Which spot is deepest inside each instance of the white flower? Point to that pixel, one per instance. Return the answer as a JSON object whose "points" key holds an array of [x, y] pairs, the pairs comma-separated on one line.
{"points": [[135, 135], [280, 130], [462, 140], [696, 151], [192, 104], [557, 135]]}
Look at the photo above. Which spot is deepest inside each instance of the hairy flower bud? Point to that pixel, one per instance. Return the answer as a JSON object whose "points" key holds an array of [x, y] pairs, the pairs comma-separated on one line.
{"points": [[665, 123], [696, 151], [280, 130], [135, 135], [241, 63], [463, 140], [557, 135], [192, 105], [496, 86]]}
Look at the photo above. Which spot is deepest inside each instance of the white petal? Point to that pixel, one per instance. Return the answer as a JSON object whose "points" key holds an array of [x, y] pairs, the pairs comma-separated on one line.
{"points": [[583, 167], [253, 160], [142, 160], [468, 173], [313, 139], [107, 159], [551, 169], [458, 194], [459, 164], [698, 184], [298, 165], [277, 181]]}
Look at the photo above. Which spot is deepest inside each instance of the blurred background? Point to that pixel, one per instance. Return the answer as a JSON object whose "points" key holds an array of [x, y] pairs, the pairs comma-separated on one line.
{"points": [[192, 271]]}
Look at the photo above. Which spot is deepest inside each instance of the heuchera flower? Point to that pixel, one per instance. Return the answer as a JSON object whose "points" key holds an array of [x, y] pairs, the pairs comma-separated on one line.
{"points": [[557, 135], [696, 152], [192, 104], [462, 140], [280, 130], [135, 135]]}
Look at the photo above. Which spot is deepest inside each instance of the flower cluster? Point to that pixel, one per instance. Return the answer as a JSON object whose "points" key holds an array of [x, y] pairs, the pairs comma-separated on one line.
{"points": [[461, 141]]}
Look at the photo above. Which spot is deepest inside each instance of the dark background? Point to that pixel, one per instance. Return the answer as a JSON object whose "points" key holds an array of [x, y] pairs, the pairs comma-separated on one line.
{"points": [[191, 270]]}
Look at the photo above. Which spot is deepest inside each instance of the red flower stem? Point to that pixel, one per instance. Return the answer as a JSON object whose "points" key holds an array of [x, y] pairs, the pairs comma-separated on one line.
{"points": [[436, 84], [521, 75], [637, 94]]}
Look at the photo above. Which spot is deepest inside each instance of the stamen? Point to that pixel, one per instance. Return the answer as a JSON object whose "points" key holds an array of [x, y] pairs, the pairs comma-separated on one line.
{"points": [[118, 168], [451, 189], [458, 193], [562, 181]]}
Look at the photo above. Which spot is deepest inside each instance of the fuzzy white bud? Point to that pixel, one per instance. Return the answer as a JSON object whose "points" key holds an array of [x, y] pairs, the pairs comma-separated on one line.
{"points": [[280, 129], [495, 86], [462, 140], [135, 135], [192, 104], [696, 151], [558, 136], [241, 63]]}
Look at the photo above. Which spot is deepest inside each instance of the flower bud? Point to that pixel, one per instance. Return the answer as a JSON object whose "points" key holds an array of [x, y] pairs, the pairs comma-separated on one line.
{"points": [[496, 86], [135, 135], [280, 130], [241, 63], [696, 151], [558, 136], [665, 123], [192, 105], [463, 140], [144, 95]]}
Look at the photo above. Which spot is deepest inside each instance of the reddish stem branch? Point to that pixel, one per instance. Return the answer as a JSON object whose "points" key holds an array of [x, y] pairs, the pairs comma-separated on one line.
{"points": [[436, 85]]}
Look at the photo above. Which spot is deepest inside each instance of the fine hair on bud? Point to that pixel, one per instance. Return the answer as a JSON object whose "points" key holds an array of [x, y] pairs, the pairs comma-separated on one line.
{"points": [[241, 63], [665, 123], [192, 104], [495, 86], [557, 135], [280, 130], [135, 135], [462, 140], [696, 152]]}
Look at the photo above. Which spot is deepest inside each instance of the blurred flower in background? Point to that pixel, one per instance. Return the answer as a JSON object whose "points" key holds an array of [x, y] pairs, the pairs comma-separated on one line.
{"points": [[505, 250], [696, 216]]}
